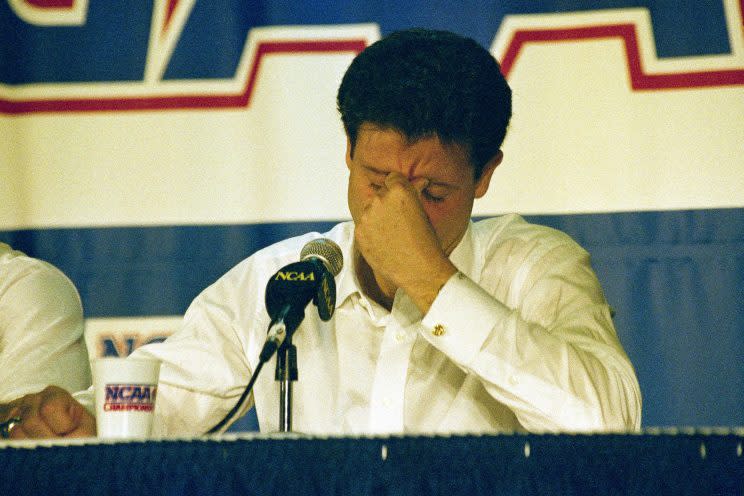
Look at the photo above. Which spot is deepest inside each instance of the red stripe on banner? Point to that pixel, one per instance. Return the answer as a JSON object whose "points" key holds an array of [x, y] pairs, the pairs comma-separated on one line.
{"points": [[639, 79], [186, 101], [169, 9], [51, 4]]}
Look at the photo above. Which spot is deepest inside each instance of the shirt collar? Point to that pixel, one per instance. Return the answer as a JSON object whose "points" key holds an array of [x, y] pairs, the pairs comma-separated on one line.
{"points": [[464, 255], [346, 282]]}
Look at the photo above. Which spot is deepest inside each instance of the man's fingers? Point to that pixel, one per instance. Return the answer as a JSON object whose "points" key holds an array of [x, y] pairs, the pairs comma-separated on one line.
{"points": [[32, 425], [394, 176], [86, 427], [420, 184], [58, 411], [50, 413], [395, 179], [13, 410], [17, 432], [32, 428]]}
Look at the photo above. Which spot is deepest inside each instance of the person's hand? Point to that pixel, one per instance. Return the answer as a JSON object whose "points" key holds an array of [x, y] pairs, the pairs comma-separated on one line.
{"points": [[398, 242], [51, 413]]}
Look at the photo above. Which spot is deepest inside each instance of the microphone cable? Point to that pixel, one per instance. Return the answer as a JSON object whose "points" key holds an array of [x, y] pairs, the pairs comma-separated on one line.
{"points": [[240, 402], [276, 333]]}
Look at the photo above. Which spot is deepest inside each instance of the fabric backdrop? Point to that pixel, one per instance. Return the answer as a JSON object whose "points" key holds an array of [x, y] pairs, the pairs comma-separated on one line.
{"points": [[146, 147]]}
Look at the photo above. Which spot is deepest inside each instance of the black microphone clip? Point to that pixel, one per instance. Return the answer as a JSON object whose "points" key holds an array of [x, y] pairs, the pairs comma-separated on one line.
{"points": [[297, 284], [289, 291], [294, 286]]}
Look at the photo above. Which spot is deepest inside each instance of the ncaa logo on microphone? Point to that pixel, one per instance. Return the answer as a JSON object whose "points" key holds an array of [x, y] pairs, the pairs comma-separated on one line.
{"points": [[130, 397]]}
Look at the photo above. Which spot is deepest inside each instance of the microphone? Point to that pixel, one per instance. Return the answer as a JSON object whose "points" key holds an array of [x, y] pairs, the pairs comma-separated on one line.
{"points": [[294, 286], [288, 292]]}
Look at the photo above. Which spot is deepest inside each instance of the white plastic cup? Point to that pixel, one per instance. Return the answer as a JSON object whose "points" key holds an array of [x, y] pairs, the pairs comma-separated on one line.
{"points": [[125, 392]]}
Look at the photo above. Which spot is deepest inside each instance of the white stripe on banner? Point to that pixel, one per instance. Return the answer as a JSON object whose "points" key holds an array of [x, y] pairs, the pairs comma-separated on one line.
{"points": [[602, 125], [281, 157]]}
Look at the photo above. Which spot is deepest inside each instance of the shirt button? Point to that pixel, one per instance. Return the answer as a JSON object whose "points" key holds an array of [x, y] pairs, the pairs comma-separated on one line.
{"points": [[400, 336], [386, 402], [438, 330]]}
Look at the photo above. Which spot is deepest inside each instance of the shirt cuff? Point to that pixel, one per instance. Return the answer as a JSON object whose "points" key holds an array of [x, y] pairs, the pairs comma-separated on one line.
{"points": [[461, 318]]}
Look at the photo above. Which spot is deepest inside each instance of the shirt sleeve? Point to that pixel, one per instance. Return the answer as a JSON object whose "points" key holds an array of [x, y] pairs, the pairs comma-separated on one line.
{"points": [[553, 358], [204, 366], [41, 333]]}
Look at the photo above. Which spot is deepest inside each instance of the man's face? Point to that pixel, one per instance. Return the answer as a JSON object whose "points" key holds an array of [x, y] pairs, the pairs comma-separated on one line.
{"points": [[447, 201]]}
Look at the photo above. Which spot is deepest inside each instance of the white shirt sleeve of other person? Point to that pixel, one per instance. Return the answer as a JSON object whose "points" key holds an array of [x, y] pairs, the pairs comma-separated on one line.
{"points": [[41, 328], [520, 339]]}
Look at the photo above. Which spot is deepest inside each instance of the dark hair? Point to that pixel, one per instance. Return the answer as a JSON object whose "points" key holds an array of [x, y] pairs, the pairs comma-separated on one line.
{"points": [[429, 83]]}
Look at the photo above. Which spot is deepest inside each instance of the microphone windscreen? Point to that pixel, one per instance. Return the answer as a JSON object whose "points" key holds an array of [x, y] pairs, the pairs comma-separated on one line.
{"points": [[326, 250]]}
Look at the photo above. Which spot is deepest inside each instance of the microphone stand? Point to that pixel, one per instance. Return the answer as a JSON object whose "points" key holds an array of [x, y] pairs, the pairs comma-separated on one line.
{"points": [[286, 363], [286, 373], [288, 290]]}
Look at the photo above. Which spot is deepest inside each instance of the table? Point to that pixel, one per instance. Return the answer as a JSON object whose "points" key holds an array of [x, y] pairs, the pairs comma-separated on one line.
{"points": [[654, 462]]}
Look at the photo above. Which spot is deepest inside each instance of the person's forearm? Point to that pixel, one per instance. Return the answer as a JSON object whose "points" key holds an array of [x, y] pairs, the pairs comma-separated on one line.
{"points": [[424, 290], [562, 378]]}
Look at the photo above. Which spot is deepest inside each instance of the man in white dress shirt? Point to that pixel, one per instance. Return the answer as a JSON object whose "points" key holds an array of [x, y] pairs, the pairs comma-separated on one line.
{"points": [[442, 324], [41, 328]]}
